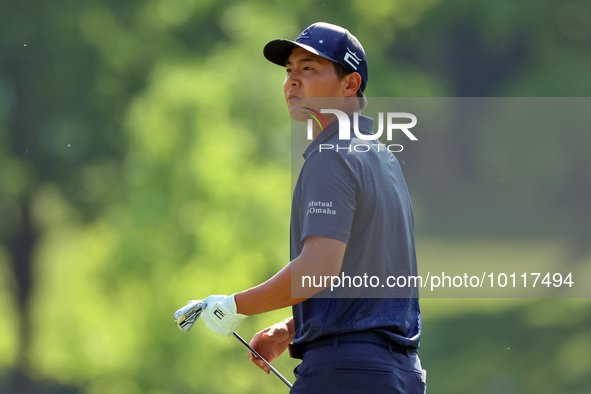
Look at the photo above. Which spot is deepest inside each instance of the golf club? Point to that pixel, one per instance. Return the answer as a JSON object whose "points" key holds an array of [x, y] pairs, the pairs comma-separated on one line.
{"points": [[186, 316]]}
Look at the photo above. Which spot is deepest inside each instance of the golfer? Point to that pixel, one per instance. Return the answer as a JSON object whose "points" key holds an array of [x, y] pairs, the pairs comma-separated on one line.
{"points": [[351, 213]]}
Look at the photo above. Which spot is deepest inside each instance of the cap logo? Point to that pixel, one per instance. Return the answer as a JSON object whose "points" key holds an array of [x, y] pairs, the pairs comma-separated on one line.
{"points": [[350, 55], [305, 34]]}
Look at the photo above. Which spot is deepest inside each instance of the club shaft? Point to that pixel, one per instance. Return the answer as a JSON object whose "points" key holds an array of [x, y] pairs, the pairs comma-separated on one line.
{"points": [[276, 372]]}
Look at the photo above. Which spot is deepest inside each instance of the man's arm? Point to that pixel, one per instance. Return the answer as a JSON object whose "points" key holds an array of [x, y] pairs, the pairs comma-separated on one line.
{"points": [[320, 257]]}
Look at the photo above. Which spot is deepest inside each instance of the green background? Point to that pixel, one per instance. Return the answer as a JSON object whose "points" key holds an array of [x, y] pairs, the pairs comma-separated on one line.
{"points": [[145, 161]]}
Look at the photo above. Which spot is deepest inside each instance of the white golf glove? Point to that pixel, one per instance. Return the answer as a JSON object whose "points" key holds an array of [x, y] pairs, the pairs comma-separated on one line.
{"points": [[220, 315]]}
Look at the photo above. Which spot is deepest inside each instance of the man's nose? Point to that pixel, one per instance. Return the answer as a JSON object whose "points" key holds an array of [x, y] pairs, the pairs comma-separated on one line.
{"points": [[292, 79]]}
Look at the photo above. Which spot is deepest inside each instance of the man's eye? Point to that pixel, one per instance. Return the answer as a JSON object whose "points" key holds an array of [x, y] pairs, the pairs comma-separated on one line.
{"points": [[288, 70], [307, 68]]}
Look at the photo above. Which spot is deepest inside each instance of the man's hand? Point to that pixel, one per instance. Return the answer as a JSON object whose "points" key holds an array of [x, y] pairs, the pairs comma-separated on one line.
{"points": [[220, 314], [271, 342]]}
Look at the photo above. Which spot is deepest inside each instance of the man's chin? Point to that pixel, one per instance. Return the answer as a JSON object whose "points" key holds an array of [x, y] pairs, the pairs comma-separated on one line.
{"points": [[296, 111], [299, 115], [301, 107]]}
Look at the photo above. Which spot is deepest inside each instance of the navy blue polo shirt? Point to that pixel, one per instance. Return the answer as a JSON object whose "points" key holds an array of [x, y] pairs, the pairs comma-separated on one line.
{"points": [[356, 194]]}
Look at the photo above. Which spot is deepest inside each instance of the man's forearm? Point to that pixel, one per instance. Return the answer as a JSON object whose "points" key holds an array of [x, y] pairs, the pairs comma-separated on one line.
{"points": [[289, 323], [268, 296], [320, 257]]}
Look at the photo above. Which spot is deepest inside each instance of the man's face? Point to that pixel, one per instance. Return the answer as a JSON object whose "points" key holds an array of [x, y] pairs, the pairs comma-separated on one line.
{"points": [[309, 75]]}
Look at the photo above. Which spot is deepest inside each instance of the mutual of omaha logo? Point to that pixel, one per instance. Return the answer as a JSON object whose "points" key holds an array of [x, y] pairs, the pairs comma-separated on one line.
{"points": [[321, 207]]}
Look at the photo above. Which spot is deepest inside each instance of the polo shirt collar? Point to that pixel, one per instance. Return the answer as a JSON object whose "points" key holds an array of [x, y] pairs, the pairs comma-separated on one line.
{"points": [[365, 127]]}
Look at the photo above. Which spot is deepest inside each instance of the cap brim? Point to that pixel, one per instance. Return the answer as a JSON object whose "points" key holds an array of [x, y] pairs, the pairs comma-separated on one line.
{"points": [[278, 51]]}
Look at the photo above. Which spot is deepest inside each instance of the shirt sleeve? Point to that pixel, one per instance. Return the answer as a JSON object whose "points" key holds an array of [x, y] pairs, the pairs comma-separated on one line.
{"points": [[329, 189]]}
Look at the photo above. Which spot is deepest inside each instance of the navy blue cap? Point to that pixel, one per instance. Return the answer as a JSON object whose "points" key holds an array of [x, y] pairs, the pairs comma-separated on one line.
{"points": [[329, 41]]}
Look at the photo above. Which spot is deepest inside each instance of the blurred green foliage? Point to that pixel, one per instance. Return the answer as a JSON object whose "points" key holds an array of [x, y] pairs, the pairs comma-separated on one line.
{"points": [[144, 161]]}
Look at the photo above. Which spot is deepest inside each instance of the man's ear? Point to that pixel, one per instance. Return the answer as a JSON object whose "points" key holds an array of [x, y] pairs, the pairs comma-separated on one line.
{"points": [[353, 84]]}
